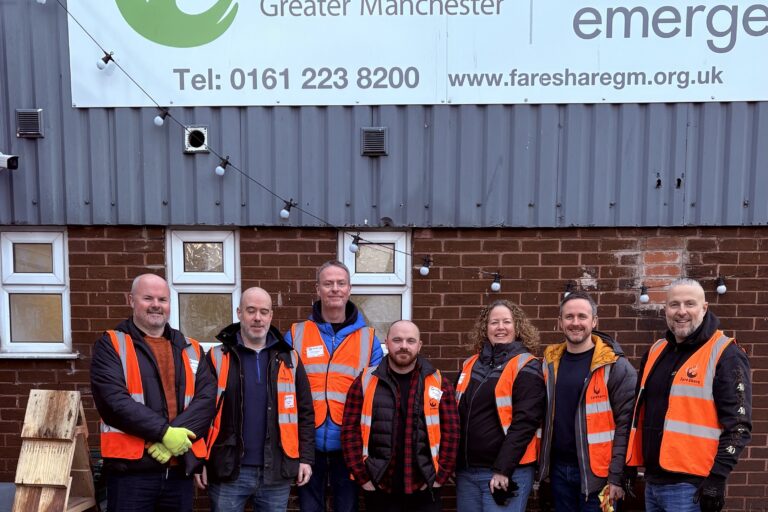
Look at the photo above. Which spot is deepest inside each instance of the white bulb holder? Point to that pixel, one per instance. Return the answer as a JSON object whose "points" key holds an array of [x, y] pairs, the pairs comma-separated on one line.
{"points": [[566, 294], [644, 297], [721, 288], [101, 64], [353, 247], [220, 170], [285, 214], [424, 271], [159, 121], [496, 284]]}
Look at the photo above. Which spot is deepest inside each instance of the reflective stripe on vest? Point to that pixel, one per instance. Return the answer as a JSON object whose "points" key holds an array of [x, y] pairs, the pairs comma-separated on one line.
{"points": [[503, 393], [330, 376], [600, 424], [691, 429], [431, 409], [287, 406], [117, 444]]}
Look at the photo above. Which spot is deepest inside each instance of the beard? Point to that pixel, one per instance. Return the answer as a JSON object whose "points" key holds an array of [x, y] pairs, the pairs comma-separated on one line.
{"points": [[403, 359]]}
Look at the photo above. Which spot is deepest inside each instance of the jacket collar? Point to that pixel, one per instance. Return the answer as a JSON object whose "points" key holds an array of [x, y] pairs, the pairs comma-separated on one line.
{"points": [[137, 335], [500, 353], [709, 325]]}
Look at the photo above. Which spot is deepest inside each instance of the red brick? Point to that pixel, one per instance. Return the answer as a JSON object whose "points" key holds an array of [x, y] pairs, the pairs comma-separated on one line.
{"points": [[651, 257]]}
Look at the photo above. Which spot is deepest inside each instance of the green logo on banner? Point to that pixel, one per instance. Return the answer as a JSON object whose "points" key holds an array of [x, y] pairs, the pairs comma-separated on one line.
{"points": [[162, 22]]}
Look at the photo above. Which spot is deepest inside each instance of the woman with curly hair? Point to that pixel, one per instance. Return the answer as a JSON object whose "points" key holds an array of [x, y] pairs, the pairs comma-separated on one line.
{"points": [[502, 401]]}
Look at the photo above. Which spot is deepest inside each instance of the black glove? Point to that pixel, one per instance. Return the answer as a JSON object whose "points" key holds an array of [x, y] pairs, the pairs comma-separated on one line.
{"points": [[711, 494], [501, 497], [628, 481]]}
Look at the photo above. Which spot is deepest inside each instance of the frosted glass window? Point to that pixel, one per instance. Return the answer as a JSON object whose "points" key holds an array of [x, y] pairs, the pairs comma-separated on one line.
{"points": [[36, 317], [32, 258], [375, 258], [203, 257], [203, 315], [380, 311]]}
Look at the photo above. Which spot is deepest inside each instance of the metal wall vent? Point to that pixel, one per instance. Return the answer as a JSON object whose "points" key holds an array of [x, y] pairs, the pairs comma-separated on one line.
{"points": [[374, 141], [196, 139], [29, 123]]}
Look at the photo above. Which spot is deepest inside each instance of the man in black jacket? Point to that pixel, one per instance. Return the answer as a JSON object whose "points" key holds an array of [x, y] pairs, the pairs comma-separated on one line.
{"points": [[263, 436], [155, 395], [693, 414]]}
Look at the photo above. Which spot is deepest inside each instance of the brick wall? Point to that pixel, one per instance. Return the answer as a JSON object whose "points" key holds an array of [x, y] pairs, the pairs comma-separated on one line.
{"points": [[535, 266]]}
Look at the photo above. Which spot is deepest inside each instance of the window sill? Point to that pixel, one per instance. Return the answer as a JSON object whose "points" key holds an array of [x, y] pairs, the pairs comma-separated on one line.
{"points": [[39, 355]]}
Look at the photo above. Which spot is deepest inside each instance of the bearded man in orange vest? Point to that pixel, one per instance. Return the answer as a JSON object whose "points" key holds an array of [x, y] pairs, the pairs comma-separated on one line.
{"points": [[590, 392], [335, 345], [156, 397], [263, 436], [400, 432], [693, 414]]}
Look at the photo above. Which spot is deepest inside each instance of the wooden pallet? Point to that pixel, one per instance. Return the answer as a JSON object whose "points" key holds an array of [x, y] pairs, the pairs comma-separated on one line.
{"points": [[54, 469]]}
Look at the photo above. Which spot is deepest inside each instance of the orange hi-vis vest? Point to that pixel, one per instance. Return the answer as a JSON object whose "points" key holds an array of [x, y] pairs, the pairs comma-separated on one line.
{"points": [[432, 391], [287, 406], [116, 443], [601, 426], [331, 375], [691, 431], [503, 392]]}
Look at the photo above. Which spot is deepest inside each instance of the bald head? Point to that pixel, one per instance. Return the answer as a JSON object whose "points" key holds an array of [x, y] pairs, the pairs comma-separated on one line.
{"points": [[255, 315], [404, 324], [151, 304], [403, 344], [685, 308]]}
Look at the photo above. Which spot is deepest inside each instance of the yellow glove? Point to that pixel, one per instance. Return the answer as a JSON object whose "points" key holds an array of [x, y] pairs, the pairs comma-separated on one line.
{"points": [[160, 453], [605, 502], [177, 440]]}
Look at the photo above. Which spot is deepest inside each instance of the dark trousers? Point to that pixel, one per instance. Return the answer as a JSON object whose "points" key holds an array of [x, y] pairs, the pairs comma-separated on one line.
{"points": [[566, 490], [167, 491], [421, 501], [329, 466]]}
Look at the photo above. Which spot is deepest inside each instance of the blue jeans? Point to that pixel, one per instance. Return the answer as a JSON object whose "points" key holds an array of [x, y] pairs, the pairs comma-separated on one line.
{"points": [[232, 496], [566, 490], [166, 491], [670, 497], [473, 493], [329, 466]]}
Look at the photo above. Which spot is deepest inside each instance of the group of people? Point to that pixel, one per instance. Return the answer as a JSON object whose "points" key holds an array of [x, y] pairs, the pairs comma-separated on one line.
{"points": [[323, 406]]}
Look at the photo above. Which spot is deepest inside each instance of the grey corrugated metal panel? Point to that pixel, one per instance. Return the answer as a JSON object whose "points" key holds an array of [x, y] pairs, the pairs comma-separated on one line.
{"points": [[758, 204], [722, 164]]}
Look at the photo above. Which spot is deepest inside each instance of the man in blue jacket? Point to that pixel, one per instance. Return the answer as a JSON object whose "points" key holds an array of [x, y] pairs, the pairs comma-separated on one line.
{"points": [[335, 345]]}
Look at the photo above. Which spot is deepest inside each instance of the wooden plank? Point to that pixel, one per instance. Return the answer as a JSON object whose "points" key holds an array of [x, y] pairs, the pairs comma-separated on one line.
{"points": [[82, 458], [51, 414], [45, 463], [78, 504], [39, 499]]}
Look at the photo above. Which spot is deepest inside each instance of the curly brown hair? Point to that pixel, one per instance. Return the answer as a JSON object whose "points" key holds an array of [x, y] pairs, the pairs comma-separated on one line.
{"points": [[525, 331]]}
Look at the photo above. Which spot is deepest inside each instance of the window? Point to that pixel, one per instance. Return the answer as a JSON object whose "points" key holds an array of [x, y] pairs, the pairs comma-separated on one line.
{"points": [[381, 276], [34, 295], [205, 282]]}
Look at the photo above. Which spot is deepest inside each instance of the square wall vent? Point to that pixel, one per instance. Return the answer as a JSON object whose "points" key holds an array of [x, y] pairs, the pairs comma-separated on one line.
{"points": [[196, 139], [374, 141], [29, 123]]}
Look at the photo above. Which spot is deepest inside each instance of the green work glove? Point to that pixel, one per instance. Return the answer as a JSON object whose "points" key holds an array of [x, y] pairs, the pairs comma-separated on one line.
{"points": [[160, 453], [177, 440]]}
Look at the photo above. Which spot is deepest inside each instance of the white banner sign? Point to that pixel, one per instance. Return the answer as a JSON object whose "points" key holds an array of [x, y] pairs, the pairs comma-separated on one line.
{"points": [[371, 52]]}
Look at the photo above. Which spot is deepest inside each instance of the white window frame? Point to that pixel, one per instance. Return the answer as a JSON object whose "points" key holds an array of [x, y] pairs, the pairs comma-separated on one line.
{"points": [[227, 281], [397, 283], [55, 282]]}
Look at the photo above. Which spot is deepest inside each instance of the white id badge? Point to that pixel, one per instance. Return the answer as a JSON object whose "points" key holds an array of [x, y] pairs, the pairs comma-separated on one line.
{"points": [[435, 393], [314, 352], [288, 401]]}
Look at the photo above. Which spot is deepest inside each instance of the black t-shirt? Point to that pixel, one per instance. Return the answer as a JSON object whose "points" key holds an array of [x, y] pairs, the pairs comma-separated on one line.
{"points": [[571, 377], [403, 381]]}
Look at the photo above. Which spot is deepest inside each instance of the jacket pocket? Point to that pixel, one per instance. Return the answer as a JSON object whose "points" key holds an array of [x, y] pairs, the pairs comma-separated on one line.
{"points": [[223, 462]]}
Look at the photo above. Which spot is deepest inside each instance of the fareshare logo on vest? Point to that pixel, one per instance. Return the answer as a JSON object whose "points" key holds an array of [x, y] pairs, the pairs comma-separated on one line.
{"points": [[163, 22]]}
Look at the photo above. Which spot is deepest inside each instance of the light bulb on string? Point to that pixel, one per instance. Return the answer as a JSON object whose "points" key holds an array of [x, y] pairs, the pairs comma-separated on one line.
{"points": [[354, 246], [160, 118], [103, 62], [222, 167], [721, 288], [496, 284], [424, 270], [285, 213], [568, 289], [644, 298]]}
